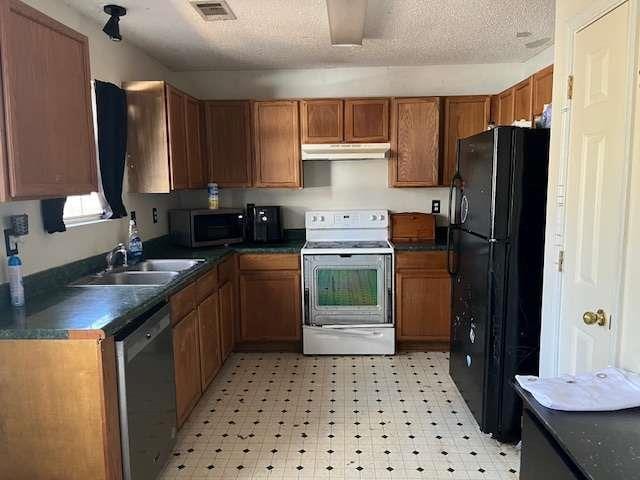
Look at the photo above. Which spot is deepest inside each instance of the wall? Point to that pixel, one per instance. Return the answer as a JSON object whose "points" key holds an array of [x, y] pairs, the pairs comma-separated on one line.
{"points": [[113, 62], [361, 184], [629, 333]]}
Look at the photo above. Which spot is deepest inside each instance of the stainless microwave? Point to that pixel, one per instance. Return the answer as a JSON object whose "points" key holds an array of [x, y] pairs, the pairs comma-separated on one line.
{"points": [[206, 228]]}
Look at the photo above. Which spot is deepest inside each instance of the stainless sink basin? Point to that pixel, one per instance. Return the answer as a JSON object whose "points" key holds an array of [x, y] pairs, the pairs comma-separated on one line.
{"points": [[151, 279], [165, 265]]}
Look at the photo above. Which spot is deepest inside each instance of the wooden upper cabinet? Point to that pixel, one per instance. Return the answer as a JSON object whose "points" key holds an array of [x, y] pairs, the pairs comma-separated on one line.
{"points": [[228, 142], [542, 89], [193, 127], [322, 121], [506, 107], [177, 123], [164, 145], [494, 111], [46, 86], [277, 161], [366, 120], [415, 124], [463, 116], [522, 100]]}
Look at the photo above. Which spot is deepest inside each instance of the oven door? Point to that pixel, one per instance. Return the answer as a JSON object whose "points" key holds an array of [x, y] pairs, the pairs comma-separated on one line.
{"points": [[352, 290]]}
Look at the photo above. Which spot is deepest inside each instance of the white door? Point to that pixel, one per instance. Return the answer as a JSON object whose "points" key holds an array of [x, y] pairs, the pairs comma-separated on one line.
{"points": [[595, 193]]}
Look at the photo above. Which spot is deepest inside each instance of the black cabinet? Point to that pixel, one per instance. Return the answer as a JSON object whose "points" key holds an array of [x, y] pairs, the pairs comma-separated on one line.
{"points": [[541, 457]]}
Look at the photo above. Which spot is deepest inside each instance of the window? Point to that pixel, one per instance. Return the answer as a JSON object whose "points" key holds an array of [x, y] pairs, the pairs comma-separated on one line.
{"points": [[91, 207], [83, 208]]}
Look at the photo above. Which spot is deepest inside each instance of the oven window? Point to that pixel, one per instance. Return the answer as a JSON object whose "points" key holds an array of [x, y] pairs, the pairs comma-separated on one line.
{"points": [[347, 287]]}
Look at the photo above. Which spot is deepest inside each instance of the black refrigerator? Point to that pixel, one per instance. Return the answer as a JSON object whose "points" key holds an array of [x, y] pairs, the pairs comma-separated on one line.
{"points": [[495, 256]]}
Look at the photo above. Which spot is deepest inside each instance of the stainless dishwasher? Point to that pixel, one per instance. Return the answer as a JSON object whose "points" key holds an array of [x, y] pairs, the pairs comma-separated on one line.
{"points": [[146, 392]]}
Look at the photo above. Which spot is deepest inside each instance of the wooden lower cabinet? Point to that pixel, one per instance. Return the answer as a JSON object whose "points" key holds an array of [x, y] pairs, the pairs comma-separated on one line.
{"points": [[423, 300], [227, 318], [186, 358], [59, 409], [270, 306], [270, 301], [209, 337], [203, 315]]}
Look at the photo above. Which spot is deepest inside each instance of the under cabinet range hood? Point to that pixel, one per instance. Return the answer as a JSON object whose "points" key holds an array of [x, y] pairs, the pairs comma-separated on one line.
{"points": [[344, 151]]}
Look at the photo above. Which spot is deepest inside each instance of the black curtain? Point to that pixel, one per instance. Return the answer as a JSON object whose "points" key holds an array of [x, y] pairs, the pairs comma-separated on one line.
{"points": [[111, 110], [52, 210]]}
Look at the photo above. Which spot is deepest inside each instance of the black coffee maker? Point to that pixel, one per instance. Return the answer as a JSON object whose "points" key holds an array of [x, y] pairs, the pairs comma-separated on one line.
{"points": [[264, 224]]}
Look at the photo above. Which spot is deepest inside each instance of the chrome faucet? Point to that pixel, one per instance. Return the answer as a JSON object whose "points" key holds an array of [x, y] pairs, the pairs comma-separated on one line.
{"points": [[120, 248]]}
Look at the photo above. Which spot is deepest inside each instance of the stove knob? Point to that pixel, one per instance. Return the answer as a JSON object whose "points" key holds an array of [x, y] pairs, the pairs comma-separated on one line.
{"points": [[314, 219], [322, 218], [373, 217], [381, 217]]}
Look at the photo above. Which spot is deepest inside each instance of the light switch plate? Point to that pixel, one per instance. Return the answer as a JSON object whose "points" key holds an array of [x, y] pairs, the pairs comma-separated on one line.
{"points": [[435, 206], [155, 215]]}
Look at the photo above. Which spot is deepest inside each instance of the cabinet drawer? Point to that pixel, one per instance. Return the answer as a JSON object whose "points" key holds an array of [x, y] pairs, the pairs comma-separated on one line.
{"points": [[206, 285], [271, 261], [226, 270], [182, 303], [422, 260]]}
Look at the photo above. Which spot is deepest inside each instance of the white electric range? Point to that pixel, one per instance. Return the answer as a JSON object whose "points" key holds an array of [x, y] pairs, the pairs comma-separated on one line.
{"points": [[347, 283]]}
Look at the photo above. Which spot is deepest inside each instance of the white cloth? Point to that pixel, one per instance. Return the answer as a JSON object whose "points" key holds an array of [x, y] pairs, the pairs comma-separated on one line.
{"points": [[603, 390]]}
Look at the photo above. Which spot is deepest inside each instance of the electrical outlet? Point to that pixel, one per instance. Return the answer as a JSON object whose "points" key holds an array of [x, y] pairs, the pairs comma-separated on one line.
{"points": [[435, 206], [155, 215]]}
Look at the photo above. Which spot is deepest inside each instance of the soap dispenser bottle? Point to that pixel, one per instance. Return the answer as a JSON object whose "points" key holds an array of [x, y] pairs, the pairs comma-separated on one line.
{"points": [[16, 288], [135, 253]]}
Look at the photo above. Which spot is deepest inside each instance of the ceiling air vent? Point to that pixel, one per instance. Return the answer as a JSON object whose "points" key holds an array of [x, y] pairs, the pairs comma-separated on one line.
{"points": [[212, 11]]}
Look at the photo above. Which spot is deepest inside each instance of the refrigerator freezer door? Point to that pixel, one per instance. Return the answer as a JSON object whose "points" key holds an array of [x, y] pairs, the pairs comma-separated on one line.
{"points": [[485, 166], [470, 320]]}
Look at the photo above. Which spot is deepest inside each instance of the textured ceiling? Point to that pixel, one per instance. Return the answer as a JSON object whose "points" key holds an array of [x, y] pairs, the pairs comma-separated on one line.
{"points": [[272, 34]]}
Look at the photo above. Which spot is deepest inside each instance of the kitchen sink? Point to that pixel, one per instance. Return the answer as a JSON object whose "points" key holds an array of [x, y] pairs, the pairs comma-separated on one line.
{"points": [[165, 265], [138, 278]]}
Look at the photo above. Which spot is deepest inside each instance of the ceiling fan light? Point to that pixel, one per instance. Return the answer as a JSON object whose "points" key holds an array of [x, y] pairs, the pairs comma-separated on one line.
{"points": [[346, 22]]}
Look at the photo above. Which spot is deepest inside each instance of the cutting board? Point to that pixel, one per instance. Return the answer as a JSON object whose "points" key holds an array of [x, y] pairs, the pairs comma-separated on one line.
{"points": [[412, 227]]}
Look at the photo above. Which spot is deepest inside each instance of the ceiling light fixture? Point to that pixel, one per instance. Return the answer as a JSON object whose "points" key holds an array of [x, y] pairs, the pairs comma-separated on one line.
{"points": [[112, 27], [346, 22]]}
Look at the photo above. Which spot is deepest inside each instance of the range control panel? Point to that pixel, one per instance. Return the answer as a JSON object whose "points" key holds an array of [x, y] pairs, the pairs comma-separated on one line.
{"points": [[346, 219]]}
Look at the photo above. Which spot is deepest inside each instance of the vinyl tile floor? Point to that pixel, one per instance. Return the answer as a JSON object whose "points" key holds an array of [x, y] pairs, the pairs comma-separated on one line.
{"points": [[289, 416]]}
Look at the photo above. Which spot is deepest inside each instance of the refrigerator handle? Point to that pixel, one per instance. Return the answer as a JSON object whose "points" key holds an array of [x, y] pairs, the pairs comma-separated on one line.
{"points": [[450, 265], [450, 252], [454, 181]]}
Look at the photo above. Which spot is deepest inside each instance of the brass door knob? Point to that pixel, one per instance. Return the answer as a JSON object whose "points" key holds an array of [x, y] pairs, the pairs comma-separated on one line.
{"points": [[598, 317]]}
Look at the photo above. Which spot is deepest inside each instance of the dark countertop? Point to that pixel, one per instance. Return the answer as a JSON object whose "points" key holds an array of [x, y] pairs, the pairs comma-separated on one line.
{"points": [[603, 445], [62, 311], [433, 245], [66, 311]]}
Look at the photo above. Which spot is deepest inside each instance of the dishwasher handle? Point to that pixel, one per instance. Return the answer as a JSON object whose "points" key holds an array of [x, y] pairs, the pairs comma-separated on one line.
{"points": [[146, 333]]}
